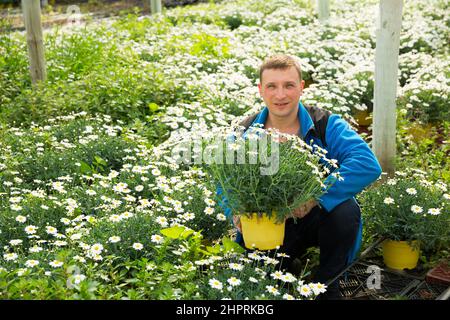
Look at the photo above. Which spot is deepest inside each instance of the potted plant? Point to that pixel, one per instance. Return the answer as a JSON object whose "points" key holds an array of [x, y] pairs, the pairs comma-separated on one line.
{"points": [[411, 213], [275, 174]]}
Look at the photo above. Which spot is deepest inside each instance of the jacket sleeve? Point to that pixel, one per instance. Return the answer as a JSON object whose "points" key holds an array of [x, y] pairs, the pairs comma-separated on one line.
{"points": [[358, 166]]}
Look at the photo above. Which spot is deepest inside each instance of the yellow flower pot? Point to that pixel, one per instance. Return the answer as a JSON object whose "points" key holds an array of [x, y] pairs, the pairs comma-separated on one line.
{"points": [[361, 116], [262, 233], [400, 255]]}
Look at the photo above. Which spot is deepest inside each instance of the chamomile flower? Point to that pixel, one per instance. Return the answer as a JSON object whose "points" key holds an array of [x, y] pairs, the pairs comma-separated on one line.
{"points": [[15, 207], [35, 249], [10, 256], [288, 277], [411, 191], [221, 217], [162, 221], [156, 238], [31, 263], [56, 263], [138, 246], [272, 290], [77, 278], [15, 242], [389, 200], [235, 266], [233, 281], [287, 296], [51, 230], [416, 209], [31, 229], [96, 248], [210, 202], [277, 275], [304, 290], [208, 211], [21, 219], [252, 279], [434, 211], [114, 239], [215, 284], [156, 172], [115, 218], [318, 288]]}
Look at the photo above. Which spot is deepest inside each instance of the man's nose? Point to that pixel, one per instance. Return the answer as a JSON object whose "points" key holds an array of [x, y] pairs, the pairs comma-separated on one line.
{"points": [[280, 93]]}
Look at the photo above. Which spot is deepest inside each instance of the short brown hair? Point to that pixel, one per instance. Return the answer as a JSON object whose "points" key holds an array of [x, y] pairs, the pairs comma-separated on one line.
{"points": [[280, 61]]}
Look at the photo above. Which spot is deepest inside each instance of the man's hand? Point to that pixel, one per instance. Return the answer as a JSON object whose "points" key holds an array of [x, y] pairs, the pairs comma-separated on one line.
{"points": [[237, 223], [304, 209]]}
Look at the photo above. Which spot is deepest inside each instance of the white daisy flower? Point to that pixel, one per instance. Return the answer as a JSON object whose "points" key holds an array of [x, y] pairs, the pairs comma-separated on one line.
{"points": [[96, 248], [114, 239], [236, 266], [15, 242], [272, 290], [221, 217], [10, 256], [21, 219], [51, 230], [215, 284], [389, 200], [416, 209], [138, 246], [156, 238], [304, 290], [209, 211], [276, 275], [31, 229], [56, 263], [434, 211], [411, 191], [31, 263], [233, 281]]}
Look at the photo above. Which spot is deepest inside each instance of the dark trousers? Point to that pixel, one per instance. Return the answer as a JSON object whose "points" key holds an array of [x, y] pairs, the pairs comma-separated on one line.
{"points": [[333, 232]]}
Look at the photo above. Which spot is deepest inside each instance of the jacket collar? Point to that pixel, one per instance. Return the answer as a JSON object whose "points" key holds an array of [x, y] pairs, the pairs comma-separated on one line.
{"points": [[306, 123]]}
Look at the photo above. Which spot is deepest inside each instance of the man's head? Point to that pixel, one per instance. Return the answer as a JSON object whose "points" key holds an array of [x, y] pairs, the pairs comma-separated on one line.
{"points": [[281, 84]]}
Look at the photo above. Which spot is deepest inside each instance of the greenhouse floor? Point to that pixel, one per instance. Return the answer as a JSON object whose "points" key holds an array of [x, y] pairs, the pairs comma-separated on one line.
{"points": [[392, 284]]}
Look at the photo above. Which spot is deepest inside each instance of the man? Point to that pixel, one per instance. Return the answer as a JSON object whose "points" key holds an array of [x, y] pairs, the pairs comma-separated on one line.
{"points": [[334, 222]]}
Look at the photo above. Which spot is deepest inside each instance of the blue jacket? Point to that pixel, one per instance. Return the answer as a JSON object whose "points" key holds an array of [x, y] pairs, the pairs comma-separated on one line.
{"points": [[357, 164]]}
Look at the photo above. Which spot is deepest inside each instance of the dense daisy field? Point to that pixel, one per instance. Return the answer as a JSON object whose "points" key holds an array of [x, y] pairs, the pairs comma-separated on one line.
{"points": [[92, 206]]}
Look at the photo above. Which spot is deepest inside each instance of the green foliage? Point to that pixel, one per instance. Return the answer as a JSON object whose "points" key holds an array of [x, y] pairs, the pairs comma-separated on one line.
{"points": [[292, 177], [408, 208]]}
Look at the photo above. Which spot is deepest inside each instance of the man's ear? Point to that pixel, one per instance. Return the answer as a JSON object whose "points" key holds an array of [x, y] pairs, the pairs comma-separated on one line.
{"points": [[259, 88]]}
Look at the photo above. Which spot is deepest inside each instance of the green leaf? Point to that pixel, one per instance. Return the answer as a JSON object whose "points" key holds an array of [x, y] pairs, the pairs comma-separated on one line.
{"points": [[100, 160], [177, 232], [153, 107], [85, 168], [215, 249], [230, 245]]}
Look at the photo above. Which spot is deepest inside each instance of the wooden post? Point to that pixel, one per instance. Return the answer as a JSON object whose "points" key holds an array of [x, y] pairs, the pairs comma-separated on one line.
{"points": [[32, 20], [323, 9], [386, 75], [155, 6]]}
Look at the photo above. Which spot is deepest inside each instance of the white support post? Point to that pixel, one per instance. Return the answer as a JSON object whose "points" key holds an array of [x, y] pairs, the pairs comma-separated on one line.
{"points": [[386, 75], [155, 6], [32, 20], [323, 10]]}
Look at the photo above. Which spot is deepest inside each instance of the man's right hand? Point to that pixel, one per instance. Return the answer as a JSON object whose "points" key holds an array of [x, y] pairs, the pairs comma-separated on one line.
{"points": [[237, 223]]}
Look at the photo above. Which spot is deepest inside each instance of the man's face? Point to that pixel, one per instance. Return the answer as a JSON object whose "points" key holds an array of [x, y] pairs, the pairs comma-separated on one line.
{"points": [[281, 90]]}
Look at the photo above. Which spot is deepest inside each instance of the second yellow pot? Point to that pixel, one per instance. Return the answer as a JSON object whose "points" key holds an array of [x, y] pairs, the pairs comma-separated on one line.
{"points": [[261, 232], [400, 255]]}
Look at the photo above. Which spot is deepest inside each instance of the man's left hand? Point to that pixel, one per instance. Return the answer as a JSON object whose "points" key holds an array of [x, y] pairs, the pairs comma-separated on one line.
{"points": [[304, 209]]}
